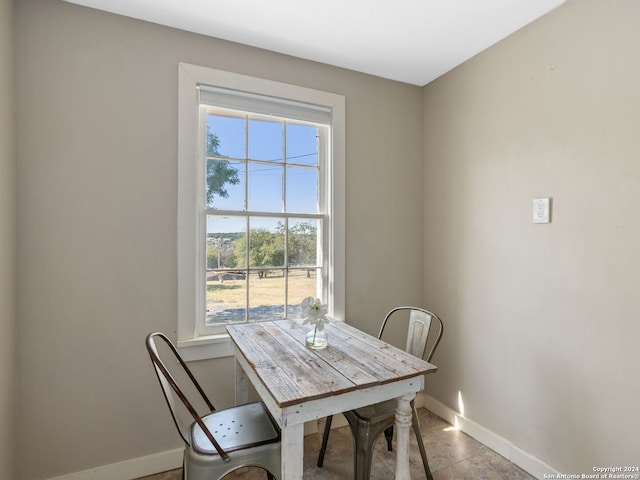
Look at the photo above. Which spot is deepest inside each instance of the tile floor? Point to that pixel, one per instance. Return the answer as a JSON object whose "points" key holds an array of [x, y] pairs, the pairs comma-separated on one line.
{"points": [[452, 455]]}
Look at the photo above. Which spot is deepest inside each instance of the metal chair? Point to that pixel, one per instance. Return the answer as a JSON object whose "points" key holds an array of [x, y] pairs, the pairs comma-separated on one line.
{"points": [[221, 440], [424, 329]]}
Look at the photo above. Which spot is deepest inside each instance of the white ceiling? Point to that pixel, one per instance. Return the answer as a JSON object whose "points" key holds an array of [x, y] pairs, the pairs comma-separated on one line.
{"points": [[413, 41]]}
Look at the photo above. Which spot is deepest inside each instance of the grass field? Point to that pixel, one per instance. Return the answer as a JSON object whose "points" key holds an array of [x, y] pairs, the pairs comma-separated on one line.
{"points": [[226, 300]]}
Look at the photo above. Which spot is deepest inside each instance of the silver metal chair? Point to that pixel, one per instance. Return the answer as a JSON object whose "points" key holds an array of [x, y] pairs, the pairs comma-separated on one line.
{"points": [[221, 440], [424, 331]]}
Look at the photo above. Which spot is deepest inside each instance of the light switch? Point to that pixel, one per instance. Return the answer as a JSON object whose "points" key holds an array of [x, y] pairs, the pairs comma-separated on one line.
{"points": [[541, 210]]}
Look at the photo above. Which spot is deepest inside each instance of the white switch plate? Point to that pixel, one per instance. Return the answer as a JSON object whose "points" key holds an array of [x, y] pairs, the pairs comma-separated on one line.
{"points": [[541, 210]]}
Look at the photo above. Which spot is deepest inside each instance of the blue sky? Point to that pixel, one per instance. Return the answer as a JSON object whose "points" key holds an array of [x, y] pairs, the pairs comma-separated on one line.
{"points": [[265, 142]]}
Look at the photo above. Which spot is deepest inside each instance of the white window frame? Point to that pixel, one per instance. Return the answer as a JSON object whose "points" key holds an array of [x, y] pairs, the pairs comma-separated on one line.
{"points": [[190, 229]]}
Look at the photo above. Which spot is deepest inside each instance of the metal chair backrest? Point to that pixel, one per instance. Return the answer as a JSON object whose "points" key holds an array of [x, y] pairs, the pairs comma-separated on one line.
{"points": [[424, 329], [174, 395]]}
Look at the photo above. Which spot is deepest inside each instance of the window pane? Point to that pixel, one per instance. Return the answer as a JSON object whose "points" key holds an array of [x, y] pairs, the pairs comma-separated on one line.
{"points": [[266, 301], [225, 136], [302, 283], [303, 242], [265, 140], [302, 190], [225, 184], [266, 242], [265, 187], [226, 299], [226, 287], [225, 242], [302, 144]]}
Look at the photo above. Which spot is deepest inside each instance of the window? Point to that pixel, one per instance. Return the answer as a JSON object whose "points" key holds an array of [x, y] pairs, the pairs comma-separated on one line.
{"points": [[260, 203]]}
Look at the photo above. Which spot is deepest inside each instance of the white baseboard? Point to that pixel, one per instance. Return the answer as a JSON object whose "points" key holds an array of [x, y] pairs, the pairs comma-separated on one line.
{"points": [[129, 469], [495, 442], [160, 462]]}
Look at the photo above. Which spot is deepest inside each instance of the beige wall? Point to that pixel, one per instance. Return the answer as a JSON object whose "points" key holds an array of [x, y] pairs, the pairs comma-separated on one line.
{"points": [[542, 320], [97, 193], [8, 312]]}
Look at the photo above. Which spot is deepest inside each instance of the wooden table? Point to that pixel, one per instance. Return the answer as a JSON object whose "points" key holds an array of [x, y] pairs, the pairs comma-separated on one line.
{"points": [[298, 384]]}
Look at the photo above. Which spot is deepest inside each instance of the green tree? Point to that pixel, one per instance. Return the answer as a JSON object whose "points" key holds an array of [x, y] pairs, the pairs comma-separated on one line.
{"points": [[302, 244], [212, 257], [220, 254], [266, 250], [219, 171]]}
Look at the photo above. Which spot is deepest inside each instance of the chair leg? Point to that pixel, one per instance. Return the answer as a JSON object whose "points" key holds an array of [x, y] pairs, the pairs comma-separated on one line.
{"points": [[423, 453], [325, 439], [388, 434], [363, 452]]}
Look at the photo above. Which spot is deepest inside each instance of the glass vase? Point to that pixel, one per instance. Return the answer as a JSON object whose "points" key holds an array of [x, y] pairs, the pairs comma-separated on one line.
{"points": [[316, 338]]}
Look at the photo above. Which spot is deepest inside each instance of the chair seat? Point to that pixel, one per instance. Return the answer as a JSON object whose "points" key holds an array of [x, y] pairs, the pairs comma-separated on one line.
{"points": [[235, 428]]}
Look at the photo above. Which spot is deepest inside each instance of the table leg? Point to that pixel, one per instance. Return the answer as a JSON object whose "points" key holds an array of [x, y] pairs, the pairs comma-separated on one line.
{"points": [[242, 386], [292, 452], [403, 426]]}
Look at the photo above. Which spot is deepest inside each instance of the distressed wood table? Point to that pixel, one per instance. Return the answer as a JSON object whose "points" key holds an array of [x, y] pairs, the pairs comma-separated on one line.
{"points": [[298, 384]]}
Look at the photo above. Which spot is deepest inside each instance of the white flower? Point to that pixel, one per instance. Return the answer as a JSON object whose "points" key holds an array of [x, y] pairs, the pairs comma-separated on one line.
{"points": [[315, 312]]}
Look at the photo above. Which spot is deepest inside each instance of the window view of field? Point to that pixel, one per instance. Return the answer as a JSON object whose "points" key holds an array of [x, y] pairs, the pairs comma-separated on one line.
{"points": [[226, 299], [269, 289]]}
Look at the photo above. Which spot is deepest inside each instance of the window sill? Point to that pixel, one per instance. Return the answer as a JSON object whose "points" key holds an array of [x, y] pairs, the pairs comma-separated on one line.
{"points": [[203, 348]]}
